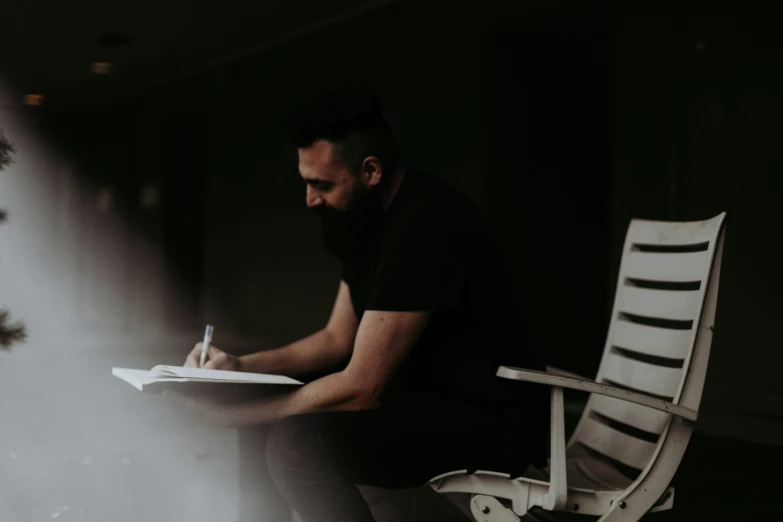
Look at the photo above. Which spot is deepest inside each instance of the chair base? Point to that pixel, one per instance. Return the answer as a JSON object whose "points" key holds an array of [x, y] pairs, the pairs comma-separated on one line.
{"points": [[487, 508], [666, 501]]}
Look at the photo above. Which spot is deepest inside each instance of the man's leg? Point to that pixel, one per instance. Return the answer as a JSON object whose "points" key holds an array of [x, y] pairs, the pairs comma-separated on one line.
{"points": [[259, 499], [316, 460], [303, 463]]}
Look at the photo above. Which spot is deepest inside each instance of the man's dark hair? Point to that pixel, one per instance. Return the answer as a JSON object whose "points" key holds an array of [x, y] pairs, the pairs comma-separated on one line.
{"points": [[350, 117]]}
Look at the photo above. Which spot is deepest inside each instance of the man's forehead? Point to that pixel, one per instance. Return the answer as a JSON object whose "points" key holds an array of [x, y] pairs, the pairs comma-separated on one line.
{"points": [[319, 162], [310, 172]]}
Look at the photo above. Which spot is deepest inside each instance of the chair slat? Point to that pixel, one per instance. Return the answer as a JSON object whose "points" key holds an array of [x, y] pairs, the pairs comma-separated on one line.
{"points": [[659, 381], [678, 305], [651, 340], [669, 267], [623, 448], [673, 233], [639, 417]]}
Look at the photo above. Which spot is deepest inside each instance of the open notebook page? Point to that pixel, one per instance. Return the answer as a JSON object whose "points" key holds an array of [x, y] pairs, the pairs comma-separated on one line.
{"points": [[140, 378], [200, 374]]}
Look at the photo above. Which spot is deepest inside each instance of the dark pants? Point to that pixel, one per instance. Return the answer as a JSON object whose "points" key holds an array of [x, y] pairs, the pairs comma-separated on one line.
{"points": [[316, 460]]}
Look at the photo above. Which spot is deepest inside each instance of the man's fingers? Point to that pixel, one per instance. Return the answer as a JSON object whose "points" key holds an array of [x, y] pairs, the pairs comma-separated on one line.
{"points": [[215, 361], [215, 357], [192, 360]]}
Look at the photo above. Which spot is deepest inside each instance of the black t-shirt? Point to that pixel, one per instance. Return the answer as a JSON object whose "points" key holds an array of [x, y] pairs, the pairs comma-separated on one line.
{"points": [[437, 252]]}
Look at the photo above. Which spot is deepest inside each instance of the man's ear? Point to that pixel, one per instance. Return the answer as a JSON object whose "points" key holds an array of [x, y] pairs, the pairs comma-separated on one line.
{"points": [[372, 173]]}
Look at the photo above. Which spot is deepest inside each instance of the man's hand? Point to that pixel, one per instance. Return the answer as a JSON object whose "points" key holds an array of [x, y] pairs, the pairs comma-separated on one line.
{"points": [[217, 359], [383, 341]]}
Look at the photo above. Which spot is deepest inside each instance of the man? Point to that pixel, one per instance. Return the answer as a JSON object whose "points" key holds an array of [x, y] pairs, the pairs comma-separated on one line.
{"points": [[400, 383]]}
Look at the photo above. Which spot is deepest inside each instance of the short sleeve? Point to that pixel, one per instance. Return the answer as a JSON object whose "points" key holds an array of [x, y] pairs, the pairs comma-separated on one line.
{"points": [[420, 268]]}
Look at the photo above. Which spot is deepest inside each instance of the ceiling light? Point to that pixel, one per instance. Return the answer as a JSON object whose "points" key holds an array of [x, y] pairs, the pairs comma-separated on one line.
{"points": [[33, 99], [101, 67]]}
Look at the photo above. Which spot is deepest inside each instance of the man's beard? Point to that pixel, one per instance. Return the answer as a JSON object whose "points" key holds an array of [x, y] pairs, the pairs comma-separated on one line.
{"points": [[349, 233]]}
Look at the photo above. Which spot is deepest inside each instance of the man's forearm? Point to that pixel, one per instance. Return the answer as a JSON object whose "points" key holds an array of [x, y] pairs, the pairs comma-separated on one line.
{"points": [[334, 392], [318, 353]]}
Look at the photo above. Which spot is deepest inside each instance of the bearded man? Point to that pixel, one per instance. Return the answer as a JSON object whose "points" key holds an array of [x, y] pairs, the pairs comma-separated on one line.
{"points": [[400, 383]]}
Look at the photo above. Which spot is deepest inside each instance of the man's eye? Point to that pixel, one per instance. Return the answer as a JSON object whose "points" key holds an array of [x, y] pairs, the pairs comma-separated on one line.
{"points": [[319, 185]]}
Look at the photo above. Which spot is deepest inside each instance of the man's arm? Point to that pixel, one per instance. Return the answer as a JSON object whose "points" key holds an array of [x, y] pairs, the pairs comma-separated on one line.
{"points": [[322, 352], [383, 341]]}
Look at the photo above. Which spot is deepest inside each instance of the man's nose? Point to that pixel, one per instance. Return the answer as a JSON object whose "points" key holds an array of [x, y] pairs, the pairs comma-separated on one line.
{"points": [[312, 198]]}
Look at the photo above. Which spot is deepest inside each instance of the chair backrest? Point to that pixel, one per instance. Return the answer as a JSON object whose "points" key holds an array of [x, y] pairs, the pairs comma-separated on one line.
{"points": [[659, 336]]}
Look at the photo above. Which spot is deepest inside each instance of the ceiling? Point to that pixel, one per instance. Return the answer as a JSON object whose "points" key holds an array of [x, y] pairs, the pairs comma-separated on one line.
{"points": [[48, 46]]}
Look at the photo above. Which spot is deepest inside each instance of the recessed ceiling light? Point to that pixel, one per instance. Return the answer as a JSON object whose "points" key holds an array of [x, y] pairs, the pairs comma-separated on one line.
{"points": [[101, 67], [33, 99]]}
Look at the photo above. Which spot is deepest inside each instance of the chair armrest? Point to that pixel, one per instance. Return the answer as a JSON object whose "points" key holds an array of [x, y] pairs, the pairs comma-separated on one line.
{"points": [[564, 373], [519, 374]]}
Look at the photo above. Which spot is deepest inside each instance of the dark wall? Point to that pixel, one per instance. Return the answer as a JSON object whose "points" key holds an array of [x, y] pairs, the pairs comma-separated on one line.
{"points": [[532, 88], [140, 253], [548, 174], [519, 121], [281, 284], [697, 121], [564, 124], [184, 213], [564, 127]]}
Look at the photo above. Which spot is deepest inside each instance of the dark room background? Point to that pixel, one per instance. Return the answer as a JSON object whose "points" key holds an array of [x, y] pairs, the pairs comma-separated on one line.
{"points": [[563, 121]]}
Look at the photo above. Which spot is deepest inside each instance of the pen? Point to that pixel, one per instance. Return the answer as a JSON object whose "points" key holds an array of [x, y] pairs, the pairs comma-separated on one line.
{"points": [[205, 345]]}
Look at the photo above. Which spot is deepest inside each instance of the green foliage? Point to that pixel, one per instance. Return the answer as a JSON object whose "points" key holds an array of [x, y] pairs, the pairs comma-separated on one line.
{"points": [[6, 151], [10, 333]]}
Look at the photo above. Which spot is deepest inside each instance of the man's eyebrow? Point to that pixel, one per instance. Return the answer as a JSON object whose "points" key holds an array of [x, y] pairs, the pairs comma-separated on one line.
{"points": [[316, 181]]}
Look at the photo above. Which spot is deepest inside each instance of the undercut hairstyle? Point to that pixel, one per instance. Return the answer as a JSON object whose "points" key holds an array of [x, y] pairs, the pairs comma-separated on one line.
{"points": [[350, 117]]}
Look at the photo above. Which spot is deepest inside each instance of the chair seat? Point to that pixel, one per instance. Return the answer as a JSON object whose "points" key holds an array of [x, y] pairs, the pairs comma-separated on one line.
{"points": [[588, 471]]}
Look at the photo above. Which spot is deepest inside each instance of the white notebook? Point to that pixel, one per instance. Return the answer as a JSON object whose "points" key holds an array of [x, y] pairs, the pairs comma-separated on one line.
{"points": [[141, 378]]}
